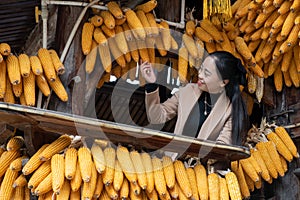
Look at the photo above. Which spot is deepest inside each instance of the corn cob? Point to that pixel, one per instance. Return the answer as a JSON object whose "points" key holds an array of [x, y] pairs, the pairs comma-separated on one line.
{"points": [[117, 54], [224, 193], [135, 23], [237, 168], [98, 158], [85, 163], [121, 21], [294, 74], [160, 46], [190, 45], [15, 143], [133, 50], [293, 36], [6, 158], [135, 189], [213, 186], [209, 27], [99, 187], [190, 27], [153, 24], [108, 32], [9, 95], [59, 89], [6, 189], [24, 64], [18, 193], [166, 35], [27, 194], [105, 57], [42, 84], [115, 9], [182, 64], [124, 191], [143, 52], [174, 44], [182, 178], [284, 136], [86, 37], [146, 159], [65, 191], [202, 183], [250, 183], [118, 176], [126, 164], [39, 175], [36, 65], [280, 146], [193, 182], [120, 39], [88, 188], [55, 147], [96, 20], [258, 184], [275, 157], [139, 168], [5, 49], [242, 48], [34, 162], [45, 186], [108, 19], [142, 17], [99, 36], [75, 195], [278, 80], [287, 79], [13, 69], [261, 147], [58, 65], [148, 6], [127, 32], [76, 180], [91, 58], [233, 186], [29, 89], [20, 181], [169, 171], [159, 179], [47, 64], [18, 89], [110, 158], [70, 162], [17, 163], [58, 172], [2, 79]]}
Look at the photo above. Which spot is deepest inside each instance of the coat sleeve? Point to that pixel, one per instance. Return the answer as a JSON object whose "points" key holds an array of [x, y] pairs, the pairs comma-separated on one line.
{"points": [[225, 136], [160, 112]]}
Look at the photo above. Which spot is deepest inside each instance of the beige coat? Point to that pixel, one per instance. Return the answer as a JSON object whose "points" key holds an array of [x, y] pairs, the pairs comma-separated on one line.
{"points": [[217, 127]]}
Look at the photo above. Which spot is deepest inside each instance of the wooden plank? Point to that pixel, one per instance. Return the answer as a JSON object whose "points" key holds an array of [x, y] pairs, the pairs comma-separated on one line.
{"points": [[56, 122]]}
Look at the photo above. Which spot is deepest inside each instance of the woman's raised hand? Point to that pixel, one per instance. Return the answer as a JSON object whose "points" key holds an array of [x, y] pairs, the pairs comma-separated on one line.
{"points": [[148, 72]]}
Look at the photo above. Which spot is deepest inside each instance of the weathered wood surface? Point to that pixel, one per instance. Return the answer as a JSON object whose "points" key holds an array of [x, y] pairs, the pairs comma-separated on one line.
{"points": [[47, 121]]}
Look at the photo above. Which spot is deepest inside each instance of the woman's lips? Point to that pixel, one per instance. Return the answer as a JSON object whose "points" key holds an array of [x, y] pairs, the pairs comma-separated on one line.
{"points": [[200, 82]]}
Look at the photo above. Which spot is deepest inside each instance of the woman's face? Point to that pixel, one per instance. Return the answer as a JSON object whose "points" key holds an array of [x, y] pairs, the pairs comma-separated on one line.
{"points": [[209, 78]]}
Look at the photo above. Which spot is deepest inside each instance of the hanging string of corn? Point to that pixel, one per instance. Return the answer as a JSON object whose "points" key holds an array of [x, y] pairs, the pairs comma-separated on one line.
{"points": [[220, 8]]}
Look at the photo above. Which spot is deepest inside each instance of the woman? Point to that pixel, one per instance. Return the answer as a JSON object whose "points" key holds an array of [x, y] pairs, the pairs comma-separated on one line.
{"points": [[211, 109]]}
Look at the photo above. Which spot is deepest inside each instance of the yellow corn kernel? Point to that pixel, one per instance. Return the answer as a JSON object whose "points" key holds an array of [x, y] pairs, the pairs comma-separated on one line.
{"points": [[39, 175], [6, 159], [43, 85], [118, 176], [110, 33], [5, 49], [169, 171], [58, 65], [135, 23], [224, 193], [117, 54], [59, 89], [139, 168], [213, 186], [159, 179], [190, 45], [127, 166], [20, 181], [98, 158], [110, 160], [70, 162], [190, 27], [121, 40], [237, 168], [285, 137], [85, 163], [13, 69], [105, 57], [6, 189], [99, 36], [124, 191], [275, 157], [142, 16], [86, 37], [24, 64], [76, 180], [48, 67], [249, 169], [58, 172], [264, 173], [91, 58], [9, 95], [45, 186], [233, 186], [146, 159]]}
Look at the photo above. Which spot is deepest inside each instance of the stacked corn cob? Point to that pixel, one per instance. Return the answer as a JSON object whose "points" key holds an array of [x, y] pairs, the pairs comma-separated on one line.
{"points": [[20, 74], [125, 36], [271, 149]]}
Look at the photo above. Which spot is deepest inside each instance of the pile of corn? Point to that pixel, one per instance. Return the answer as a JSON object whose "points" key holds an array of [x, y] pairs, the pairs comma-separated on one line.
{"points": [[70, 170], [19, 75]]}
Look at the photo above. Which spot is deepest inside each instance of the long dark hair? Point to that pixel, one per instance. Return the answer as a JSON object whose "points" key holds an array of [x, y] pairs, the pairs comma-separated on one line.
{"points": [[232, 69]]}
